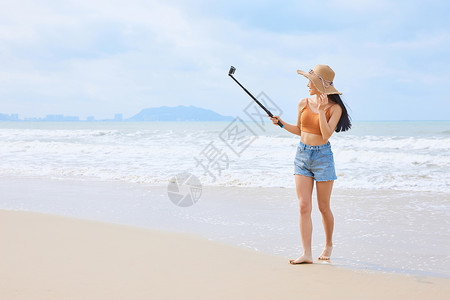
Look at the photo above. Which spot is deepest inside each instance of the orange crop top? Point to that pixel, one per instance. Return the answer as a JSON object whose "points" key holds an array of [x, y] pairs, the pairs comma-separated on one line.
{"points": [[310, 121]]}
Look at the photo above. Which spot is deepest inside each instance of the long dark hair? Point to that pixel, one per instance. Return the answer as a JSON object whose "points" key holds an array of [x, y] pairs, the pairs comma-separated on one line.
{"points": [[345, 122]]}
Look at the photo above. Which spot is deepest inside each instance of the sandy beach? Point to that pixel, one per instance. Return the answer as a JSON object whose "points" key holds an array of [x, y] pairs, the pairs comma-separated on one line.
{"points": [[52, 257], [388, 231]]}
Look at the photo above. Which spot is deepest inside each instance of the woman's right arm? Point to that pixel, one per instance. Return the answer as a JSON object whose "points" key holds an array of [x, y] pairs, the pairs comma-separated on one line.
{"points": [[295, 129]]}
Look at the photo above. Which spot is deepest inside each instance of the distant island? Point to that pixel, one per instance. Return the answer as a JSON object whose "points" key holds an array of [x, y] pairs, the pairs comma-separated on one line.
{"points": [[179, 113], [163, 113]]}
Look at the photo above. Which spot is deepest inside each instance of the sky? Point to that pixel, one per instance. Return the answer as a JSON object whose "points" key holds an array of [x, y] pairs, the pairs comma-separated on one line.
{"points": [[102, 57]]}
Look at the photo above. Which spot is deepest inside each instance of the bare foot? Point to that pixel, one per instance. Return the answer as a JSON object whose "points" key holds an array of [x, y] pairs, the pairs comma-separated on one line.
{"points": [[326, 253], [304, 259]]}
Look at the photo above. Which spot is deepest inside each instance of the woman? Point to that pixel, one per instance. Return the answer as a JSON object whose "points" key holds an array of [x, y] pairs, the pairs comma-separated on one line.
{"points": [[318, 117]]}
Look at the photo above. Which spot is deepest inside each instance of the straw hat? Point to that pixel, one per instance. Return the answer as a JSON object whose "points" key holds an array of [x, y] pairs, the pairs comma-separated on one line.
{"points": [[322, 77]]}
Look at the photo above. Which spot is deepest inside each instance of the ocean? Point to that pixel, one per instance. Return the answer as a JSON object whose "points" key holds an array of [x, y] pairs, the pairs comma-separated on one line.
{"points": [[408, 156]]}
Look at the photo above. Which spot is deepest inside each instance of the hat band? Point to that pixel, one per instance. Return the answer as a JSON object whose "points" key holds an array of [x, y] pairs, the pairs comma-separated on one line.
{"points": [[328, 83]]}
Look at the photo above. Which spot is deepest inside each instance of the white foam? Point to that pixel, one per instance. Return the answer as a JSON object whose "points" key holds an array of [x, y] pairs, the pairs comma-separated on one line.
{"points": [[135, 153]]}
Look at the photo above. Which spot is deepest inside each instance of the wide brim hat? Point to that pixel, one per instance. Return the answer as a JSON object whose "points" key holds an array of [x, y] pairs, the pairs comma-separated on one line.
{"points": [[322, 77]]}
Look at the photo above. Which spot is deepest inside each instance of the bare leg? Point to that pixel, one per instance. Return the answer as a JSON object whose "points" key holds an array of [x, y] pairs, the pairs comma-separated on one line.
{"points": [[323, 198], [304, 186]]}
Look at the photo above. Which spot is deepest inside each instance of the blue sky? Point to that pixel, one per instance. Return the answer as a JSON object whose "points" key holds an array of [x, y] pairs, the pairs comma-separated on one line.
{"points": [[101, 57]]}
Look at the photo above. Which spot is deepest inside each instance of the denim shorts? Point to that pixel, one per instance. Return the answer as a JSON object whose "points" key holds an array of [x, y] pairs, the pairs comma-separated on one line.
{"points": [[315, 161]]}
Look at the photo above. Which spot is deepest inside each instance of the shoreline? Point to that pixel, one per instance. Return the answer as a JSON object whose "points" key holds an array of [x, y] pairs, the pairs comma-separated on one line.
{"points": [[262, 219], [54, 257]]}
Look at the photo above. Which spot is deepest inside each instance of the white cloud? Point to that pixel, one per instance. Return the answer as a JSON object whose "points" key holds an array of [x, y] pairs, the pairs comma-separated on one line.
{"points": [[101, 57]]}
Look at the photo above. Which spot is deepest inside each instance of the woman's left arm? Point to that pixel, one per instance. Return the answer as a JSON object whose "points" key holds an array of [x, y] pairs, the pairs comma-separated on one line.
{"points": [[327, 127]]}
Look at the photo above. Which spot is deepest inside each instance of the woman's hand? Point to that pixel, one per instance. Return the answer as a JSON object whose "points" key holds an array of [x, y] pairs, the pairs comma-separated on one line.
{"points": [[275, 120], [322, 102]]}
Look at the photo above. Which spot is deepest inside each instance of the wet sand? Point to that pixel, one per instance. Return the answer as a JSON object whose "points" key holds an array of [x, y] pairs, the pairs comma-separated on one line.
{"points": [[53, 257]]}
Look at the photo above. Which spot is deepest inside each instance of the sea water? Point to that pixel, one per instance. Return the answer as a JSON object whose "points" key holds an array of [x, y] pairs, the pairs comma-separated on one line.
{"points": [[409, 156]]}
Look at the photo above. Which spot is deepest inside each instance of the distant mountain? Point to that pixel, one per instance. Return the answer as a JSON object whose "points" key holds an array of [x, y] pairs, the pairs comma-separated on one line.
{"points": [[178, 113]]}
